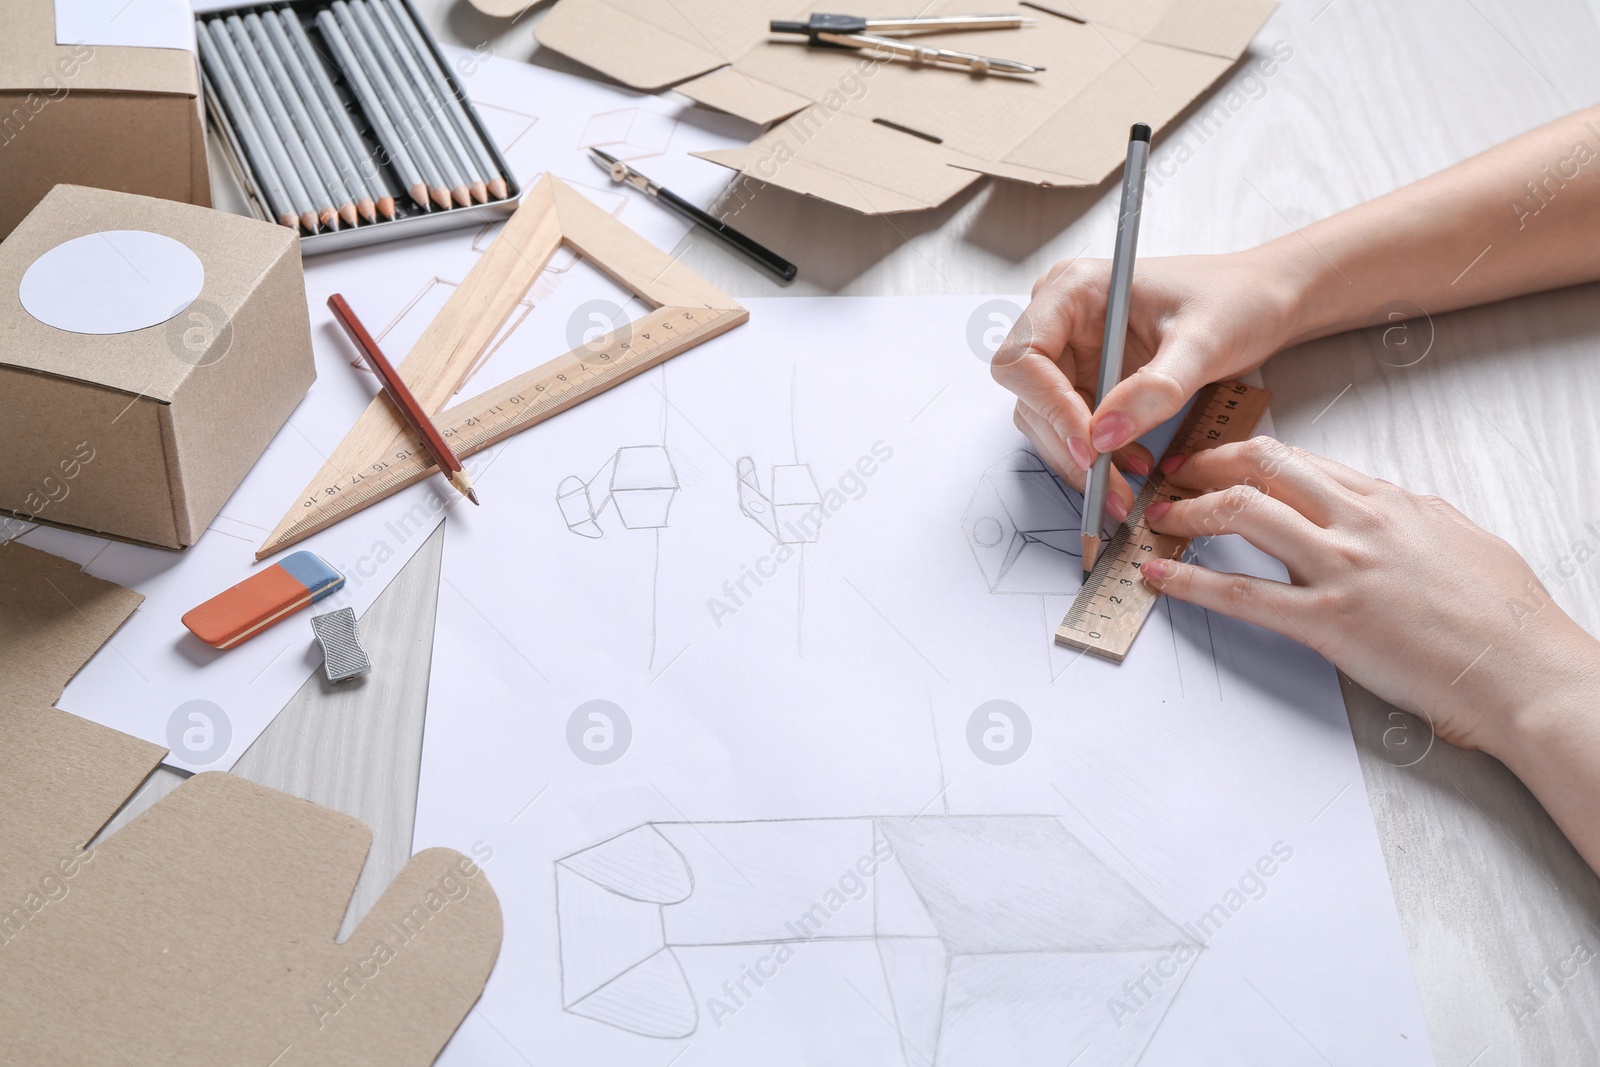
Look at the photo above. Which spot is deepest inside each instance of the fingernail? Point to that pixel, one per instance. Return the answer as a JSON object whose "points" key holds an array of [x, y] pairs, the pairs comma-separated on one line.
{"points": [[1112, 432], [1118, 509], [1172, 463], [1080, 452], [1157, 570], [1156, 509], [1137, 465]]}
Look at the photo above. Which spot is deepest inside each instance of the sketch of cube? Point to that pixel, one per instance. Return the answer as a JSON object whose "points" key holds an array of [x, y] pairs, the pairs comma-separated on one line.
{"points": [[999, 939], [630, 133], [792, 510], [1024, 527], [638, 480]]}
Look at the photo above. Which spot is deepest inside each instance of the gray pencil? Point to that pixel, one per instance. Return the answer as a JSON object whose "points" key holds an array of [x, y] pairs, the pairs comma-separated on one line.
{"points": [[1097, 480], [299, 196], [279, 114], [311, 104], [378, 78], [372, 104], [273, 59], [355, 149], [406, 107], [266, 172], [436, 115], [474, 141]]}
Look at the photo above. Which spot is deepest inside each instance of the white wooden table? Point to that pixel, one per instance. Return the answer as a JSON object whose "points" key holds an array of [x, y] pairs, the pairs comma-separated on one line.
{"points": [[1499, 417]]}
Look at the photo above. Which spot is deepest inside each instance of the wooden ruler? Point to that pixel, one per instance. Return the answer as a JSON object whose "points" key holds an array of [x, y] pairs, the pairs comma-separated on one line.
{"points": [[1115, 600], [380, 456], [526, 400]]}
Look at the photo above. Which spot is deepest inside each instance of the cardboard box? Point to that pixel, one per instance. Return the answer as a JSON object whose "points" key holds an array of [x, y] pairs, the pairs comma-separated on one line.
{"points": [[97, 113], [886, 136], [143, 434]]}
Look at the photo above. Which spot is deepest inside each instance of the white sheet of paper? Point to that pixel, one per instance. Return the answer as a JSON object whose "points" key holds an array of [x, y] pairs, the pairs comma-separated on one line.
{"points": [[125, 23], [153, 667], [758, 788]]}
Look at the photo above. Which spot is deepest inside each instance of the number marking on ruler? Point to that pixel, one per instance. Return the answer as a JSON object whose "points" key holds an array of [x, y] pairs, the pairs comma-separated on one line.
{"points": [[1114, 601]]}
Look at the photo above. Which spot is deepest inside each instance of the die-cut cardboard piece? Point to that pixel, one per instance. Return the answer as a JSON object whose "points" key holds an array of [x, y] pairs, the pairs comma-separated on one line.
{"points": [[203, 931], [887, 137]]}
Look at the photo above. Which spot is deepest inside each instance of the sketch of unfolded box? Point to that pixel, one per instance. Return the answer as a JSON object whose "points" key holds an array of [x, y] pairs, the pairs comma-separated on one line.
{"points": [[790, 509], [638, 480], [1025, 527], [999, 939]]}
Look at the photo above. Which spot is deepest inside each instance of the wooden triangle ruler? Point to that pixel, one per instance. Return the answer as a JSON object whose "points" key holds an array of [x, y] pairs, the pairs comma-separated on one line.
{"points": [[380, 456]]}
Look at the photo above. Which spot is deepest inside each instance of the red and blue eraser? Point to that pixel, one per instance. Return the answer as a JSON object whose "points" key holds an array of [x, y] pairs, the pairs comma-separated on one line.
{"points": [[240, 613]]}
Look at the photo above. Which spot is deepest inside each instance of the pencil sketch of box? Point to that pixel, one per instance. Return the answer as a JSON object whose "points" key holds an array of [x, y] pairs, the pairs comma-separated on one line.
{"points": [[638, 480], [997, 938], [1025, 527], [791, 507]]}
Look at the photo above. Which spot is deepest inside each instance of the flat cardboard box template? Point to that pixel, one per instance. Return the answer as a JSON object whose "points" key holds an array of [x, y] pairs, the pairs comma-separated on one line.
{"points": [[887, 137], [202, 932], [92, 114], [143, 435]]}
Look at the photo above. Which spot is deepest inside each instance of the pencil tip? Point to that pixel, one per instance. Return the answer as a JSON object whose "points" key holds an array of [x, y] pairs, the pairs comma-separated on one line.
{"points": [[386, 207], [441, 196], [288, 220], [1091, 551], [419, 193], [348, 214], [497, 186], [463, 483], [309, 221], [479, 191], [365, 207], [462, 197]]}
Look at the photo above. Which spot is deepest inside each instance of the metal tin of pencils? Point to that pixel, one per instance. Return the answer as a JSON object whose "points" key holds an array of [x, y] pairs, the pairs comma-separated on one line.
{"points": [[395, 142]]}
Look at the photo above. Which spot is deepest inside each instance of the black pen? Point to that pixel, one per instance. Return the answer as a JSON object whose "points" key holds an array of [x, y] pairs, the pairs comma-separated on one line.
{"points": [[621, 172]]}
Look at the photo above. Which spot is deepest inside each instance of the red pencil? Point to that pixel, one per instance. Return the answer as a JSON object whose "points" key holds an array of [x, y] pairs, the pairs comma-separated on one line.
{"points": [[404, 401]]}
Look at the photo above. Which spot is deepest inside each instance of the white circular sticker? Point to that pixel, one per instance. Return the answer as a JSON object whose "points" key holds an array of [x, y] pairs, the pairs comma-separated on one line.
{"points": [[111, 282]]}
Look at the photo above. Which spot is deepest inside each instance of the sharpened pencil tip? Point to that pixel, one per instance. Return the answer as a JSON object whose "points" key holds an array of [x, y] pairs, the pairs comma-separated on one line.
{"points": [[288, 220], [463, 198], [479, 191], [309, 221], [347, 212], [497, 186], [365, 207], [441, 196], [386, 206], [463, 484], [419, 193], [1091, 552]]}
